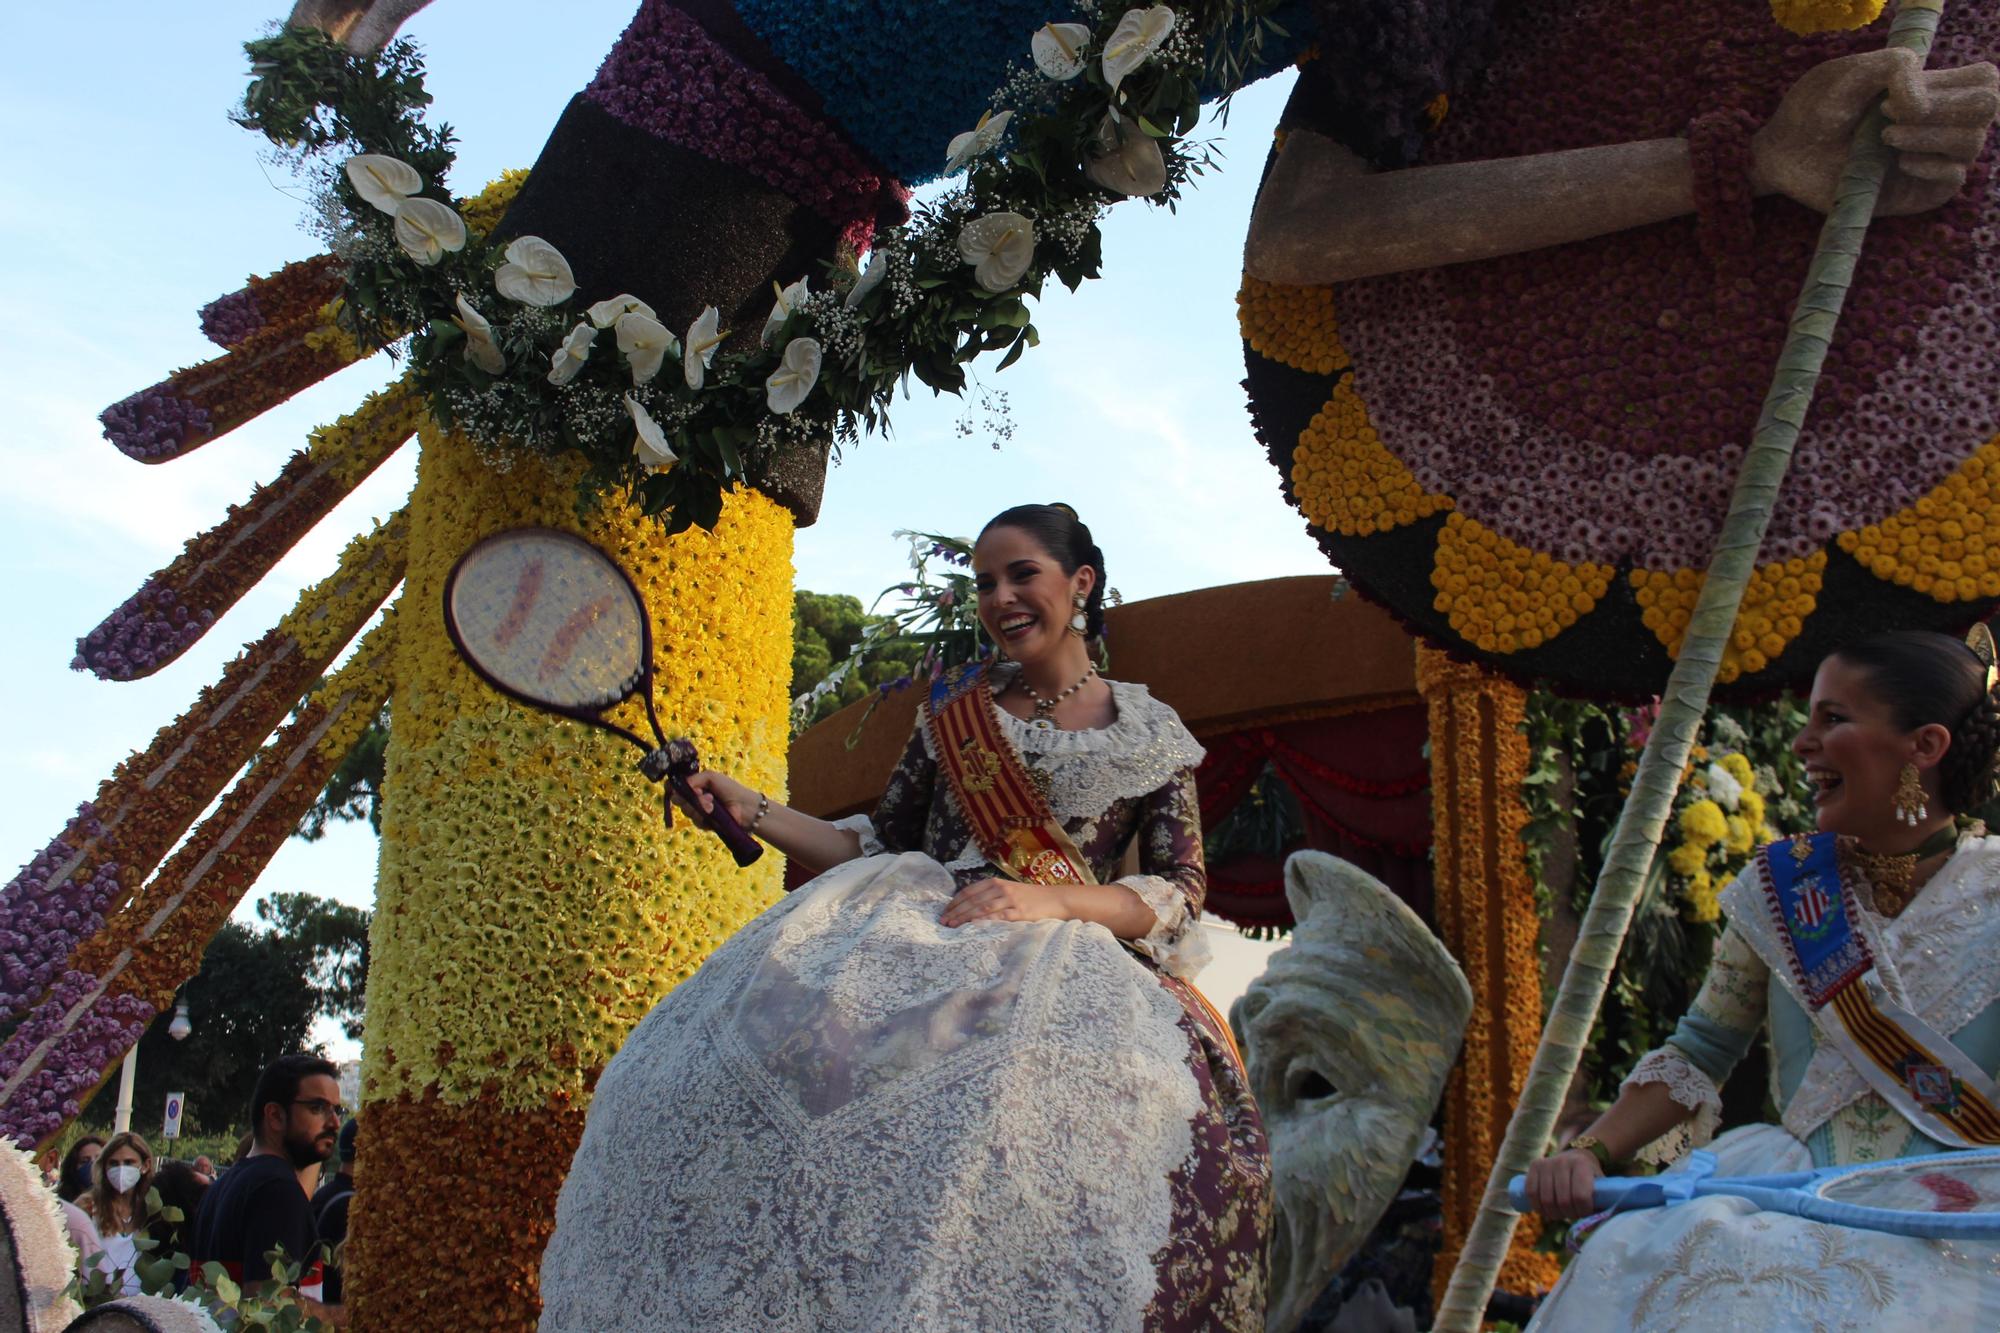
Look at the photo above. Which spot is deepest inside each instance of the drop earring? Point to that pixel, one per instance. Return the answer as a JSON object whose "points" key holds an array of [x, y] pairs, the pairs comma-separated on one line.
{"points": [[1078, 622], [1912, 806]]}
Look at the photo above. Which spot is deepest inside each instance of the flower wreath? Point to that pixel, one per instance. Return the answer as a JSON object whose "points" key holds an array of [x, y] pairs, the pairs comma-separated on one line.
{"points": [[507, 350]]}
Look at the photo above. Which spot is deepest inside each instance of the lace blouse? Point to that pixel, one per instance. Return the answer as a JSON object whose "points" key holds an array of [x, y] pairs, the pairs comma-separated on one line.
{"points": [[1941, 956], [1133, 779]]}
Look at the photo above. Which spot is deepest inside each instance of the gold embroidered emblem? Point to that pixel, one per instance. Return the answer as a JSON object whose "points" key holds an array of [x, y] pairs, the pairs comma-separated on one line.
{"points": [[1802, 849], [982, 766]]}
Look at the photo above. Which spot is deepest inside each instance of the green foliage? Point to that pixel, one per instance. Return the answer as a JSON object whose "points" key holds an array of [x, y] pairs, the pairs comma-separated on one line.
{"points": [[355, 789], [1266, 822]]}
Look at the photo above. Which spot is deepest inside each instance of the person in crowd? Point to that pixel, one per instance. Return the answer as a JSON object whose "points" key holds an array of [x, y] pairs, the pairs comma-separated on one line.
{"points": [[204, 1166], [1042, 1124], [77, 1164], [1901, 739], [181, 1188], [261, 1204], [82, 1234], [329, 1206], [116, 1204]]}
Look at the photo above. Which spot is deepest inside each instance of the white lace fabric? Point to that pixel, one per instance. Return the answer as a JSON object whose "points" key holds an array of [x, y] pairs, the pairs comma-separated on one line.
{"points": [[1689, 1087], [853, 1117]]}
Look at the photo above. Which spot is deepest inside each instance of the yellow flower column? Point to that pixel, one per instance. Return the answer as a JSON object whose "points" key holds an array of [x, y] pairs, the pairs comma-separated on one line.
{"points": [[531, 906], [1486, 913]]}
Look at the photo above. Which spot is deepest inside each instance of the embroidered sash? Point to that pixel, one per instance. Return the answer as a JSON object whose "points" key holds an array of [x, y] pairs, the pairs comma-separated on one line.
{"points": [[1918, 1071], [1011, 820]]}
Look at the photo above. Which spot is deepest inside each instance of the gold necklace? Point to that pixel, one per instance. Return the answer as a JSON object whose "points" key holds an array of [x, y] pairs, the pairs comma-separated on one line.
{"points": [[1045, 709], [1892, 874]]}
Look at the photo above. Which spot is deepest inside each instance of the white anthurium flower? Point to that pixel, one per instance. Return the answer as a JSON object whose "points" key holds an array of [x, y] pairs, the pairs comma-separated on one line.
{"points": [[646, 343], [981, 138], [1000, 246], [480, 349], [383, 181], [606, 312], [1126, 160], [781, 310], [794, 378], [1058, 49], [1134, 40], [535, 273], [871, 278], [651, 447], [426, 230], [704, 336], [569, 358]]}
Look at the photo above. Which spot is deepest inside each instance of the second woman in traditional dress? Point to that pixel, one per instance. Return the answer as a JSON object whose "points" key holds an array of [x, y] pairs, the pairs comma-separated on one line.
{"points": [[961, 1080]]}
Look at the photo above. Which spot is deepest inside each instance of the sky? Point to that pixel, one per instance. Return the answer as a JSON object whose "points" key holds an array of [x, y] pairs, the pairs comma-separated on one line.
{"points": [[131, 201]]}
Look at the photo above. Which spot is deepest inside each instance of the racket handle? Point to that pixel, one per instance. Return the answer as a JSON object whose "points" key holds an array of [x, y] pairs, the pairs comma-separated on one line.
{"points": [[720, 822], [1608, 1192]]}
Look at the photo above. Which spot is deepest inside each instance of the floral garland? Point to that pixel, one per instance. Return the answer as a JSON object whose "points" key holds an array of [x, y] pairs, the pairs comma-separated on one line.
{"points": [[66, 893], [176, 606], [525, 872], [124, 974], [509, 351]]}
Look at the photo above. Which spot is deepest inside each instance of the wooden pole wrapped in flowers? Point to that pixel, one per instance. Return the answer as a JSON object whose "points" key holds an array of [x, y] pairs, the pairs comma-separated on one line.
{"points": [[1636, 838]]}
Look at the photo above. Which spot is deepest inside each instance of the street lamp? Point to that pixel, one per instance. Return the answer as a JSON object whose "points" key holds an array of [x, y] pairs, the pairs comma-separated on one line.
{"points": [[180, 1027], [121, 1119]]}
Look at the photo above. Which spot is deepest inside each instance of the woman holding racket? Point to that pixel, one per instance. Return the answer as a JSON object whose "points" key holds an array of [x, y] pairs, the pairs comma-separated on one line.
{"points": [[1872, 952], [959, 1081]]}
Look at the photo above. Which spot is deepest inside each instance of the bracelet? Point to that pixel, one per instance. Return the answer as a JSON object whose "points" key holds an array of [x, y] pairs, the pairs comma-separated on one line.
{"points": [[1593, 1145], [763, 808]]}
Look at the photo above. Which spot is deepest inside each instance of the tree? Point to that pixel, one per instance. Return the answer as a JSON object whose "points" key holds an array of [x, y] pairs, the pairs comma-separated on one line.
{"points": [[355, 789]]}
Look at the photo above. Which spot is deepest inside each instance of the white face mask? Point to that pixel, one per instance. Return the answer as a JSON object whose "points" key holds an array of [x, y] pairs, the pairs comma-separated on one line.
{"points": [[122, 1177]]}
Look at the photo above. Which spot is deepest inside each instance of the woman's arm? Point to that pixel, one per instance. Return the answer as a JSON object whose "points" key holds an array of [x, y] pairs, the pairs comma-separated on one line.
{"points": [[1323, 218], [811, 841]]}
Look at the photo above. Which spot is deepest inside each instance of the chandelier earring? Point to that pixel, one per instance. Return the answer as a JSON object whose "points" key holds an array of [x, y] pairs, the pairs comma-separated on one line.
{"points": [[1078, 621], [1911, 804]]}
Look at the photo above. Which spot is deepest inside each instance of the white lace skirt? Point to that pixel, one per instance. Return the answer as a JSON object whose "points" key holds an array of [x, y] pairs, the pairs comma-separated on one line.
{"points": [[853, 1117], [1720, 1265]]}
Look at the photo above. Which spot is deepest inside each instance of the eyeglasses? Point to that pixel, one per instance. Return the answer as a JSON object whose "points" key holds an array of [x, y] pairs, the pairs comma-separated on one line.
{"points": [[320, 1106]]}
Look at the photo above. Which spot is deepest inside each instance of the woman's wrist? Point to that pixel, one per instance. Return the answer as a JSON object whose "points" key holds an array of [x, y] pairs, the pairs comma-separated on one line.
{"points": [[1590, 1143]]}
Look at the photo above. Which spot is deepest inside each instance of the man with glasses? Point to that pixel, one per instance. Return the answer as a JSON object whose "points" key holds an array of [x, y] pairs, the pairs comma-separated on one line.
{"points": [[260, 1205]]}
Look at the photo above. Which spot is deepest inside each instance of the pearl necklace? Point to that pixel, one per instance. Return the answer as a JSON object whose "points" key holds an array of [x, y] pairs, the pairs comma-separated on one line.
{"points": [[1045, 709]]}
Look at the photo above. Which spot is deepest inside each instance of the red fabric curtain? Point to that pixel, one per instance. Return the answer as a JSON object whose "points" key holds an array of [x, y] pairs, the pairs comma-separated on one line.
{"points": [[1363, 785]]}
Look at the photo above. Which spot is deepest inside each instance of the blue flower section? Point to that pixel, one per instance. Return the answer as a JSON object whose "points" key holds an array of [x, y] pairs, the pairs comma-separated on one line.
{"points": [[901, 77]]}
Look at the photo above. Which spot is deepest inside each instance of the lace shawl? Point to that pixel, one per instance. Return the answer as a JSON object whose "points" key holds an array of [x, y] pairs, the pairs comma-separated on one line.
{"points": [[1131, 780]]}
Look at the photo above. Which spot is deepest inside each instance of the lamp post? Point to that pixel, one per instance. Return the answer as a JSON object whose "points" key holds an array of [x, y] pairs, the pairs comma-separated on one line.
{"points": [[128, 1073]]}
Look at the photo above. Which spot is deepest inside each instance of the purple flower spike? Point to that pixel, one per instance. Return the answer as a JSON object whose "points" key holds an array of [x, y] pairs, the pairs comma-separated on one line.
{"points": [[151, 629], [80, 1056], [153, 423], [56, 901], [229, 320]]}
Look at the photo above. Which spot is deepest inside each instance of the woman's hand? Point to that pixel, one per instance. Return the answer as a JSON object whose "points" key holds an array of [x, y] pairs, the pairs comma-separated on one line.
{"points": [[1941, 119], [710, 787], [1560, 1185], [1004, 900]]}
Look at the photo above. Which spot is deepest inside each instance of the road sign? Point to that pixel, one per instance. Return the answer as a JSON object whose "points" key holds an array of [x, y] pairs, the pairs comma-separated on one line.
{"points": [[176, 1103]]}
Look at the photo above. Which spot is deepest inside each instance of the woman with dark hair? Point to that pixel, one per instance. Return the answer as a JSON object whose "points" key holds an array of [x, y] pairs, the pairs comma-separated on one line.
{"points": [[74, 1178], [1882, 928], [961, 1079], [181, 1188]]}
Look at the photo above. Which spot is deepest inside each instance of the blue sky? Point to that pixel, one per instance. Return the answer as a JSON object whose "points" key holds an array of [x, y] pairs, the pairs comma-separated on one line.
{"points": [[131, 201]]}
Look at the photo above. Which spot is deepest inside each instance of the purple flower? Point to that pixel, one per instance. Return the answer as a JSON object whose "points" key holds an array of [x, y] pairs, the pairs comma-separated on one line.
{"points": [[153, 423], [229, 320]]}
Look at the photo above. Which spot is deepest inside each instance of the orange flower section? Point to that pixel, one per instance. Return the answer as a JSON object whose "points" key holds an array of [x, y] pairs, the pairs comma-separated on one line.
{"points": [[1487, 916], [1503, 597], [1810, 16], [1294, 326], [1775, 606], [1947, 545], [1347, 481]]}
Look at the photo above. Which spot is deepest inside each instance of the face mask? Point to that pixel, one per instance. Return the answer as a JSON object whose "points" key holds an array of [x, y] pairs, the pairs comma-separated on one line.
{"points": [[122, 1178]]}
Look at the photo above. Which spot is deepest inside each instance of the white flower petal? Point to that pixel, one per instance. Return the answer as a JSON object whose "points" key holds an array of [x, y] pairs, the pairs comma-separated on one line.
{"points": [[606, 312], [383, 181], [794, 378], [1000, 246], [781, 309], [535, 273], [480, 349], [982, 138], [426, 229], [1134, 40], [703, 337], [651, 446], [569, 358], [1129, 161], [871, 278], [646, 343], [1058, 49]]}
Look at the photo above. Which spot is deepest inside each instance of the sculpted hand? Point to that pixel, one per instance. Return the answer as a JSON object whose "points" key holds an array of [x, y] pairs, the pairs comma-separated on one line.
{"points": [[1003, 900], [1941, 119], [1560, 1186]]}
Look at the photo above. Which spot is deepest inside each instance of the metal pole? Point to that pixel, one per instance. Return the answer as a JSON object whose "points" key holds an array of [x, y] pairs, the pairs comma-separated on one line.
{"points": [[122, 1120]]}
